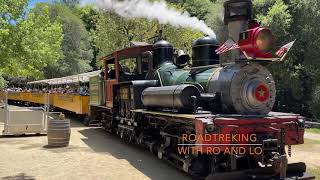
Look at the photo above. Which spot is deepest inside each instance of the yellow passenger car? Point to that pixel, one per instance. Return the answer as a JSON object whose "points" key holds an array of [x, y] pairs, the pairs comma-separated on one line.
{"points": [[71, 102], [45, 92]]}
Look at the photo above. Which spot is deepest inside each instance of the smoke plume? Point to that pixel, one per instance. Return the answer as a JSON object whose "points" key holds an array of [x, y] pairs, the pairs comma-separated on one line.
{"points": [[157, 10]]}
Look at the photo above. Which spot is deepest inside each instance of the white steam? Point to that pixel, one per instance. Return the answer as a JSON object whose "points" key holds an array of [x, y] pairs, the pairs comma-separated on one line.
{"points": [[157, 10]]}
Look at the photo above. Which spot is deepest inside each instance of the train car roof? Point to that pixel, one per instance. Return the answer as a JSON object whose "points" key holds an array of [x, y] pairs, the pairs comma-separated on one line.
{"points": [[78, 78], [129, 52]]}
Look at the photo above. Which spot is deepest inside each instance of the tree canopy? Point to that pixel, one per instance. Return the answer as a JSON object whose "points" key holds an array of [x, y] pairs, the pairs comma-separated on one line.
{"points": [[76, 48], [297, 78], [63, 38], [29, 40]]}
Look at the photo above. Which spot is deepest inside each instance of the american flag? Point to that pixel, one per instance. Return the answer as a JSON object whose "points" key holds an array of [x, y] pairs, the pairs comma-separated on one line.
{"points": [[227, 46], [284, 49]]}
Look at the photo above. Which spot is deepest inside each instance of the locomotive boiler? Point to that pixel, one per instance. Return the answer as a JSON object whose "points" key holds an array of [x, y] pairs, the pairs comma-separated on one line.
{"points": [[243, 88]]}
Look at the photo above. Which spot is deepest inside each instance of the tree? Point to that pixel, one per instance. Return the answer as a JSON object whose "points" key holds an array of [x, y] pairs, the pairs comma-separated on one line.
{"points": [[315, 103], [277, 18], [69, 3], [3, 82], [215, 20], [197, 8], [297, 78], [184, 39], [77, 52], [114, 32], [29, 42], [89, 17]]}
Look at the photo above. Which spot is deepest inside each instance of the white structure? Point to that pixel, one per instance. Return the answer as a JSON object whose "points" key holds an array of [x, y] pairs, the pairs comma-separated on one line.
{"points": [[18, 120], [79, 78]]}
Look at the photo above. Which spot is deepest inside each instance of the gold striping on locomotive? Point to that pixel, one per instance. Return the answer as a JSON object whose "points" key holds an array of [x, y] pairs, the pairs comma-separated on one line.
{"points": [[174, 115], [211, 76], [158, 73]]}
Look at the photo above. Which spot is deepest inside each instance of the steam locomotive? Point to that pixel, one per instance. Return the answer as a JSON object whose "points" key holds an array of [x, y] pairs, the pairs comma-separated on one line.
{"points": [[210, 119], [163, 101]]}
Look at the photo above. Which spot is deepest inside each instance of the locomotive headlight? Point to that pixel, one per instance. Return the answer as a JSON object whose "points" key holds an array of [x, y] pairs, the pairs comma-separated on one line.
{"points": [[257, 42], [265, 40]]}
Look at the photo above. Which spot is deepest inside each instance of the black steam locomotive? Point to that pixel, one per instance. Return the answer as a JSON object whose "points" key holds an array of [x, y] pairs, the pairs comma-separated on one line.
{"points": [[163, 101]]}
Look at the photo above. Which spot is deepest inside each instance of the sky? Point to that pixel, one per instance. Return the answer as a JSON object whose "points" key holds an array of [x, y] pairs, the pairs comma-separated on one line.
{"points": [[33, 2]]}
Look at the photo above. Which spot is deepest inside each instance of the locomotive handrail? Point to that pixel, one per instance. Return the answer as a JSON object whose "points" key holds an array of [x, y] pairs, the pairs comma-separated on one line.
{"points": [[255, 116]]}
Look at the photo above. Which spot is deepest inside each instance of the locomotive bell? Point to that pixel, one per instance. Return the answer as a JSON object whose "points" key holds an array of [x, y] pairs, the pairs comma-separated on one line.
{"points": [[203, 51]]}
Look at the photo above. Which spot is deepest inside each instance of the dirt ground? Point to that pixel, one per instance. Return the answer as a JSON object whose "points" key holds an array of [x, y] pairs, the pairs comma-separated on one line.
{"points": [[95, 154], [92, 154], [309, 153]]}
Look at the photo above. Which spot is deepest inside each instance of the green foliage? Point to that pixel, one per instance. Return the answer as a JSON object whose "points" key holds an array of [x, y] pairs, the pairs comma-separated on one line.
{"points": [[277, 18], [315, 103], [305, 29], [313, 130], [261, 7], [215, 20], [67, 39], [77, 52], [181, 38], [114, 32], [197, 8], [294, 87], [10, 11], [69, 3], [28, 42], [3, 82], [297, 78], [89, 17]]}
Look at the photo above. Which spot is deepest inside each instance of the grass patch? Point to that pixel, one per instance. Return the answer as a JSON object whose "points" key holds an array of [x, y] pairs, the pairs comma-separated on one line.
{"points": [[315, 172], [314, 130], [309, 145], [311, 141]]}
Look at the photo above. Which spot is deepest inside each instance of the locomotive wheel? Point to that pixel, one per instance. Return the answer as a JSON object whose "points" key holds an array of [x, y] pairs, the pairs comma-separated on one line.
{"points": [[200, 168]]}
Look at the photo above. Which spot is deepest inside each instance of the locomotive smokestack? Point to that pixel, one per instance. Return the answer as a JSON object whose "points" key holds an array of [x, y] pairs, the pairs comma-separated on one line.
{"points": [[237, 14]]}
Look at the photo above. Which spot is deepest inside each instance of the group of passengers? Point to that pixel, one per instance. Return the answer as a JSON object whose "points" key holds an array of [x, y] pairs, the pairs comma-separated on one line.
{"points": [[82, 90], [14, 89]]}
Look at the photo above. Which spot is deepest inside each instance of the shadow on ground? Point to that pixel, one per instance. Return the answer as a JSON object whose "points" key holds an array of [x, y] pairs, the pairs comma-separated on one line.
{"points": [[20, 176], [102, 142], [22, 135]]}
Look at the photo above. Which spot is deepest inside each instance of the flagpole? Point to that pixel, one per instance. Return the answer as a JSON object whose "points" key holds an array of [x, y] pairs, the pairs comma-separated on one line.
{"points": [[246, 55], [282, 58]]}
